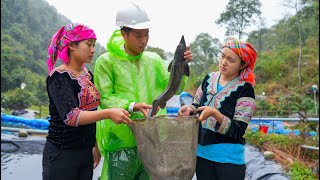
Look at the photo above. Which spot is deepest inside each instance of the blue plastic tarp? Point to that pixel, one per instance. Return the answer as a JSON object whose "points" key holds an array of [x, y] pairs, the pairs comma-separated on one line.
{"points": [[15, 121], [285, 131]]}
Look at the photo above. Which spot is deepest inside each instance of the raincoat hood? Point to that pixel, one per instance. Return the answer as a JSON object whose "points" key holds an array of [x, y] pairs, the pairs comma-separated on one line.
{"points": [[114, 45]]}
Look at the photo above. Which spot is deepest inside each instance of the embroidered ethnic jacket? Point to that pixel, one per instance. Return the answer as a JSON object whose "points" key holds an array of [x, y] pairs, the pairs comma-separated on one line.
{"points": [[236, 101], [69, 95]]}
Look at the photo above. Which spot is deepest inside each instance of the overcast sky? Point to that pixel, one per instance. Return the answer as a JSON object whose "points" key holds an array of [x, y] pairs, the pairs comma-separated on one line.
{"points": [[170, 18]]}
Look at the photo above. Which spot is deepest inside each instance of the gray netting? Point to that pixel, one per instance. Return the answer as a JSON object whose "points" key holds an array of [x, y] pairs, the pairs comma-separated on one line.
{"points": [[167, 146]]}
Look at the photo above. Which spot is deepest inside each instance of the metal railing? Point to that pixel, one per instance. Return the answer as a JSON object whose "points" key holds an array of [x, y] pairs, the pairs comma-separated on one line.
{"points": [[294, 120], [28, 130], [285, 119]]}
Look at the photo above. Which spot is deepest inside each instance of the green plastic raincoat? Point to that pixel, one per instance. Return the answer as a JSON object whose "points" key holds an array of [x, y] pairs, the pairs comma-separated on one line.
{"points": [[121, 79]]}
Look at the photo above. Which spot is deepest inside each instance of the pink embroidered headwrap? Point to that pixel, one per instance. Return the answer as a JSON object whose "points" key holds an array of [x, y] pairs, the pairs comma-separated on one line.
{"points": [[248, 54], [58, 44]]}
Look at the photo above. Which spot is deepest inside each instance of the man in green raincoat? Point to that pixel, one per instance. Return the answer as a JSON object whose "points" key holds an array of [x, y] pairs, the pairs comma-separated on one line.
{"points": [[131, 78]]}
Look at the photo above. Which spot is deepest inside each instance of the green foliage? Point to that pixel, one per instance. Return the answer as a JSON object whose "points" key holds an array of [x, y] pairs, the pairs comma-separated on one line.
{"points": [[26, 27], [285, 32], [15, 99], [307, 104], [159, 51], [299, 172], [206, 46], [239, 15], [282, 141], [294, 103], [5, 111], [205, 50], [276, 67], [263, 104], [44, 110], [25, 31]]}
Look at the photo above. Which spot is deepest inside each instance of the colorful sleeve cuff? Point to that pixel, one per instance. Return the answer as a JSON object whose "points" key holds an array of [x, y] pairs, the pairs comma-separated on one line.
{"points": [[244, 109], [73, 117], [225, 125], [198, 95]]}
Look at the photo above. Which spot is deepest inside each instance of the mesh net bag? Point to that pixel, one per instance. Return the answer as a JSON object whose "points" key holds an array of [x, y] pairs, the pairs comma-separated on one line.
{"points": [[167, 145]]}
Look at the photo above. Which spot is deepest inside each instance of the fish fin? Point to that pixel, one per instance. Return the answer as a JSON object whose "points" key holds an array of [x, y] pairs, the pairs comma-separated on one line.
{"points": [[169, 67], [186, 69]]}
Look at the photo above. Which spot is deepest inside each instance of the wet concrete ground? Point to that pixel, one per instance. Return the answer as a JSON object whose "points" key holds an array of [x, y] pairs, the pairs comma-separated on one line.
{"points": [[21, 156]]}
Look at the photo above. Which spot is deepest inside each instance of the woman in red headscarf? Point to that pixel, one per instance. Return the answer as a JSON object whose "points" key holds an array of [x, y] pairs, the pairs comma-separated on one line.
{"points": [[70, 151], [224, 104]]}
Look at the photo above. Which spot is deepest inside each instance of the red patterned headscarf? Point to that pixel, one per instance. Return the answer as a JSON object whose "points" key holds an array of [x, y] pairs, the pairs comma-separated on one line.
{"points": [[58, 44], [248, 54]]}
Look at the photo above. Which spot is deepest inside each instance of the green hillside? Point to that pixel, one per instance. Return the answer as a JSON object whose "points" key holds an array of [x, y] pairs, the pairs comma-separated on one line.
{"points": [[277, 65], [26, 27]]}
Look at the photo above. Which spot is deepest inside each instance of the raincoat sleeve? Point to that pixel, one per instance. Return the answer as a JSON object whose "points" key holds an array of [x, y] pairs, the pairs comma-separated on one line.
{"points": [[103, 80]]}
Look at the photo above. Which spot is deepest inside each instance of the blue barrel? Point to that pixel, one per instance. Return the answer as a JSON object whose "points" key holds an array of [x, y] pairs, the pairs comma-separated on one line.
{"points": [[173, 110]]}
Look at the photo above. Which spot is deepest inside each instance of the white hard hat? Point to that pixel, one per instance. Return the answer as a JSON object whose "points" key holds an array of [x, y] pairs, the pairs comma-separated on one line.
{"points": [[132, 16]]}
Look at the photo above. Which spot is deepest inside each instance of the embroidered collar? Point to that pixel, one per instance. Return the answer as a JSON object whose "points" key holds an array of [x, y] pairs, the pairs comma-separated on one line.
{"points": [[214, 98], [61, 69]]}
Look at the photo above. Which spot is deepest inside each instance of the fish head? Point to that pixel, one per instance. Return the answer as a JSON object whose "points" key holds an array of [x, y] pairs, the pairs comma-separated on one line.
{"points": [[181, 48]]}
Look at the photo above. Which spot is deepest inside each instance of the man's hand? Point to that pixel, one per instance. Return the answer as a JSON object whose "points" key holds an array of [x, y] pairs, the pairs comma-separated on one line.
{"points": [[185, 110], [188, 54], [143, 107]]}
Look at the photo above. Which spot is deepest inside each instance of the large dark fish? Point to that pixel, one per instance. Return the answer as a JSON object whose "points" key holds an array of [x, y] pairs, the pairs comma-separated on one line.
{"points": [[177, 68]]}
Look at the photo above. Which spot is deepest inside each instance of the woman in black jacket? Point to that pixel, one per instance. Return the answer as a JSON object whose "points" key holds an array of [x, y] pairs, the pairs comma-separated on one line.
{"points": [[70, 151], [225, 103]]}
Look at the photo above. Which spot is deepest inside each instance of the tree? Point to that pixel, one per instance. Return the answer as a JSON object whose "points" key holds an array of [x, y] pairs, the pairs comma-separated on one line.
{"points": [[310, 16], [263, 106], [205, 50], [206, 46], [307, 104], [295, 103], [15, 99], [239, 15], [297, 6], [262, 25], [159, 51]]}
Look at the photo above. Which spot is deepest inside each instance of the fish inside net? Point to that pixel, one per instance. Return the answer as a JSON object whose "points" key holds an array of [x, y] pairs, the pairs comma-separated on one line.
{"points": [[167, 145]]}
